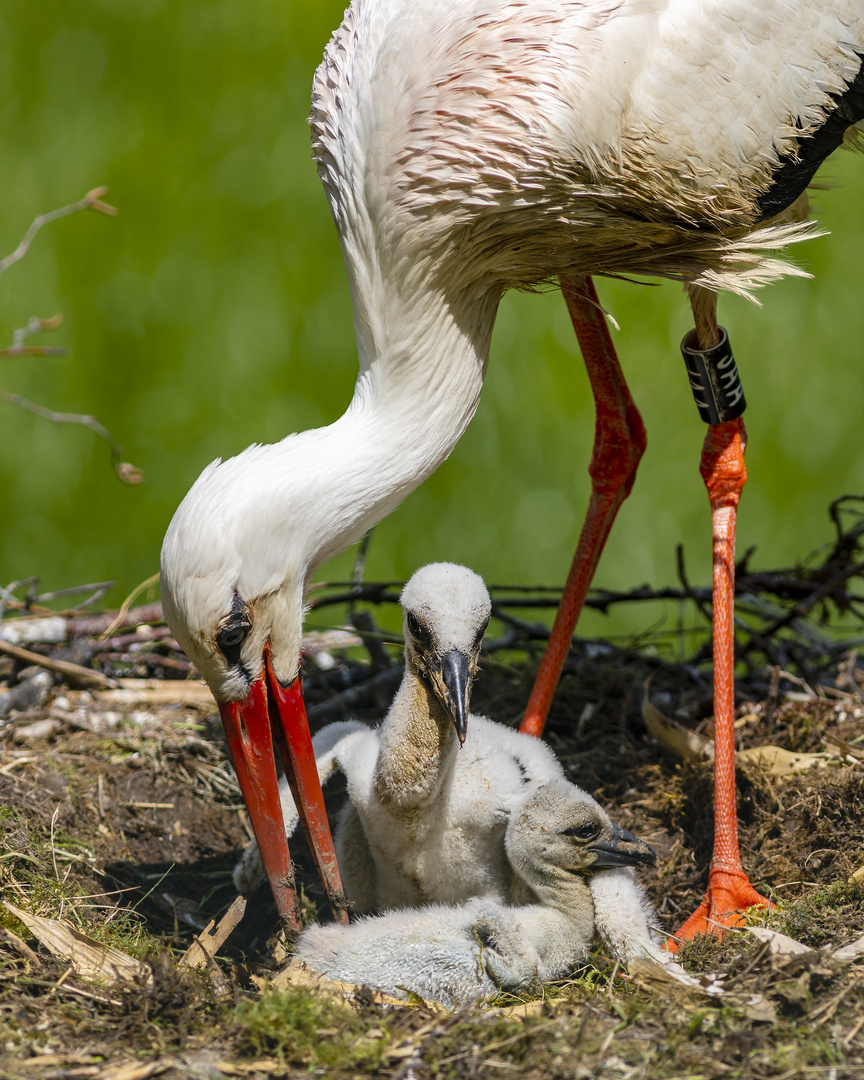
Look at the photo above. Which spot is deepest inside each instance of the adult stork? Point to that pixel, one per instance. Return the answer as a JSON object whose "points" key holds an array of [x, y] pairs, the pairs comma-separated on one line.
{"points": [[471, 146]]}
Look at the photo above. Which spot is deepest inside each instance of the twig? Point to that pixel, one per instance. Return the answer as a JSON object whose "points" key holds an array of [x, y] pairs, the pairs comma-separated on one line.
{"points": [[91, 201], [812, 599], [54, 817], [383, 680], [128, 473], [83, 676], [34, 326], [125, 606], [689, 591], [8, 599]]}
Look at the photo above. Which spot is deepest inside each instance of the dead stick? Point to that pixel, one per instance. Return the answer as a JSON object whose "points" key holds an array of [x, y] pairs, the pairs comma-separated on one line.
{"points": [[83, 676], [214, 935]]}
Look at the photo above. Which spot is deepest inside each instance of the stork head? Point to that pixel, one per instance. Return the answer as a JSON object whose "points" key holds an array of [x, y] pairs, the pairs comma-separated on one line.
{"points": [[561, 830], [447, 609], [234, 565]]}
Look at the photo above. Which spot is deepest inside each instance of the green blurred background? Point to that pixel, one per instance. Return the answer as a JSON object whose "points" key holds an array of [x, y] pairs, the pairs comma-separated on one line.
{"points": [[214, 311]]}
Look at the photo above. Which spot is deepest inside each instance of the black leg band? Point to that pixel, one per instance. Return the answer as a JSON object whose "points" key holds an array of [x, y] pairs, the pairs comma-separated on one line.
{"points": [[714, 379]]}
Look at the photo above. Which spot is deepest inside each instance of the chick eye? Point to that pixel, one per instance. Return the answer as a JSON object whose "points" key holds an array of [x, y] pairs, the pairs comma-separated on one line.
{"points": [[416, 629], [589, 831], [480, 634]]}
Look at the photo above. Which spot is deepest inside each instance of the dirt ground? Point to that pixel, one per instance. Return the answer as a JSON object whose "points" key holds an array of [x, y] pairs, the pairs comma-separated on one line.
{"points": [[122, 819]]}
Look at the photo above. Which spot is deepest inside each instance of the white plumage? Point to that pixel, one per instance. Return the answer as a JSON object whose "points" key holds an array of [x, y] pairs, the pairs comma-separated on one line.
{"points": [[426, 817], [471, 146], [556, 840], [468, 146]]}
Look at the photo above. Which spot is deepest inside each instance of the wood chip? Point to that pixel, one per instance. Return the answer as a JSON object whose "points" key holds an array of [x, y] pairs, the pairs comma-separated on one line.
{"points": [[523, 1008], [671, 977], [136, 1070], [190, 692], [778, 944], [690, 746], [853, 951], [298, 974], [89, 958], [44, 1060], [780, 762], [214, 935], [21, 946], [243, 1068], [679, 740]]}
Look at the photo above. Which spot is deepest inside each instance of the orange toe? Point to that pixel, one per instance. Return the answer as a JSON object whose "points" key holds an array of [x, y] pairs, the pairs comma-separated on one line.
{"points": [[728, 896]]}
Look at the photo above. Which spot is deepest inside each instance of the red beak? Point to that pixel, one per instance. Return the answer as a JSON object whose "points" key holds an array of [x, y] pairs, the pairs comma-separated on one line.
{"points": [[274, 716]]}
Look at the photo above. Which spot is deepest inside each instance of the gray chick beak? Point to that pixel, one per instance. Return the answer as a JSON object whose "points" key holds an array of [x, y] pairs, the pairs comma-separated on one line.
{"points": [[624, 849], [451, 680]]}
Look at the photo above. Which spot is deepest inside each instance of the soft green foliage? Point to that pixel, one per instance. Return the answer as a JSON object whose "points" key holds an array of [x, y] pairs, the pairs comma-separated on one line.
{"points": [[214, 311], [302, 1027]]}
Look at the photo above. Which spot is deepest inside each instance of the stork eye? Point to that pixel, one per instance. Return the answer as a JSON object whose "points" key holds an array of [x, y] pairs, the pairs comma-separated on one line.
{"points": [[588, 831], [230, 638], [480, 634], [416, 628]]}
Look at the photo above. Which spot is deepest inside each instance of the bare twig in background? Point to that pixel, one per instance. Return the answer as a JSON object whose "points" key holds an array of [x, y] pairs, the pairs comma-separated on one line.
{"points": [[34, 602], [34, 326], [128, 473], [91, 201], [794, 620]]}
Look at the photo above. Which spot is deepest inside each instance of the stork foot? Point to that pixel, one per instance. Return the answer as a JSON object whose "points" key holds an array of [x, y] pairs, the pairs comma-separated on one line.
{"points": [[728, 896]]}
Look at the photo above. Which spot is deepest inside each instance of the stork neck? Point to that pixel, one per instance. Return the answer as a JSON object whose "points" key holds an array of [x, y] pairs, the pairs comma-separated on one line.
{"points": [[563, 890], [421, 374], [418, 748]]}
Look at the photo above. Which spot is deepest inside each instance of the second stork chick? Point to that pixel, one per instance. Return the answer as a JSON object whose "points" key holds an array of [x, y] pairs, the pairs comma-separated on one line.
{"points": [[430, 791], [560, 842]]}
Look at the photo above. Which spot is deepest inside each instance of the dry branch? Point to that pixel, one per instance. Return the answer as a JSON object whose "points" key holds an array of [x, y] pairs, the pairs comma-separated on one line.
{"points": [[128, 473], [76, 673]]}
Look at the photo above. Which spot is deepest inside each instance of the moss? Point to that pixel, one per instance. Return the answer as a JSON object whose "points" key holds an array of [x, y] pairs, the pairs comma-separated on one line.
{"points": [[304, 1028]]}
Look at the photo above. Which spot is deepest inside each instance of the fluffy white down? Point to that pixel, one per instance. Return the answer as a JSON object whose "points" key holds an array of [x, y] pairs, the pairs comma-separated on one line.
{"points": [[458, 953], [425, 819], [451, 848]]}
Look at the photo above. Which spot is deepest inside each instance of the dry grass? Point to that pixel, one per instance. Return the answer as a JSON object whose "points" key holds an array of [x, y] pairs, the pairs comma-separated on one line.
{"points": [[124, 821]]}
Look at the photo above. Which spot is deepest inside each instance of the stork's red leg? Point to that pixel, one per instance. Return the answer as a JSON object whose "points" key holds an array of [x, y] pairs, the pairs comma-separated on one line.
{"points": [[717, 389], [729, 889], [619, 442]]}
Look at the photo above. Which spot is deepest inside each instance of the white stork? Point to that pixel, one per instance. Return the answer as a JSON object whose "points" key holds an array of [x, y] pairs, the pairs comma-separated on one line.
{"points": [[560, 841], [471, 146]]}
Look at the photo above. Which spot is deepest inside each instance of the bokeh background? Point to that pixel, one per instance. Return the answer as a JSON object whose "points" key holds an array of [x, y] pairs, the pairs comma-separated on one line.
{"points": [[214, 311]]}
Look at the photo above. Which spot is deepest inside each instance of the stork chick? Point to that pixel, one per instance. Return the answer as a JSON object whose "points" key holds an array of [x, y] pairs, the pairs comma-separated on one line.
{"points": [[430, 791], [558, 841]]}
